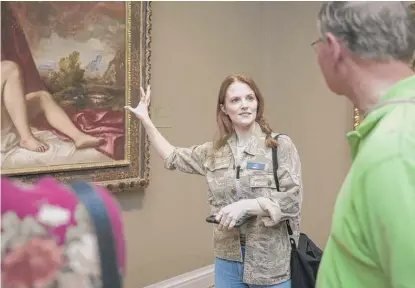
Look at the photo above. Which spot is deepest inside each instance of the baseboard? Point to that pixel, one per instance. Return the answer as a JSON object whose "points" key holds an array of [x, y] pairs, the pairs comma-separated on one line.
{"points": [[199, 278]]}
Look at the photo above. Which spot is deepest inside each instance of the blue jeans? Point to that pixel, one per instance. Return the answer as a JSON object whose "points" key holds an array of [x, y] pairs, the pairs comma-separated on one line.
{"points": [[229, 274]]}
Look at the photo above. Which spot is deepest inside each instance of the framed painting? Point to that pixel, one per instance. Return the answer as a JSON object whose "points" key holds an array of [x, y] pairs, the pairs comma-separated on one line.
{"points": [[357, 118], [67, 71]]}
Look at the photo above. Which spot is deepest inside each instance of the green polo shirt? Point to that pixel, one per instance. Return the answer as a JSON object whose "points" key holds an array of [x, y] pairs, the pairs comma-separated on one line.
{"points": [[372, 240]]}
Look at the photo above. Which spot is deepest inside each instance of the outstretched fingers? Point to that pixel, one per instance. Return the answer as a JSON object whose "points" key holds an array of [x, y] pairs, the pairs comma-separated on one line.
{"points": [[129, 108], [145, 95], [148, 93]]}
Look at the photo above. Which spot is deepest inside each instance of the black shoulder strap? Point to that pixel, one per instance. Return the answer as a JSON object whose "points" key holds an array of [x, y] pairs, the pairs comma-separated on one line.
{"points": [[275, 163], [277, 183]]}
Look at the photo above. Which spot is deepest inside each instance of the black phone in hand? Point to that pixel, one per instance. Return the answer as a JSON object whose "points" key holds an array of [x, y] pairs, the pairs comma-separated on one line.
{"points": [[239, 223]]}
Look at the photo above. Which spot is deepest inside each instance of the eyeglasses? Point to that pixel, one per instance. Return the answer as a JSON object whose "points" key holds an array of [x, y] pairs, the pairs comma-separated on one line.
{"points": [[313, 44]]}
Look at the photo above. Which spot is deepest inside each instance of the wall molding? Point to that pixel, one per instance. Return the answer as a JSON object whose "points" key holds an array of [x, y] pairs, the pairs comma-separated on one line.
{"points": [[199, 278]]}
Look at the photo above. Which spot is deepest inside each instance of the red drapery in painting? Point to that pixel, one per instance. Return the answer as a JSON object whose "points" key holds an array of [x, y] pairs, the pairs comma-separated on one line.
{"points": [[14, 47]]}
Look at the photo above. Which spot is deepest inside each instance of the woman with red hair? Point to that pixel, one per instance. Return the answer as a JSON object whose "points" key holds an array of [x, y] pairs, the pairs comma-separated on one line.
{"points": [[239, 171]]}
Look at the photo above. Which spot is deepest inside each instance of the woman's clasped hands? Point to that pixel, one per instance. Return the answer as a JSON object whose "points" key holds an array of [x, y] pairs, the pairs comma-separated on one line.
{"points": [[230, 214]]}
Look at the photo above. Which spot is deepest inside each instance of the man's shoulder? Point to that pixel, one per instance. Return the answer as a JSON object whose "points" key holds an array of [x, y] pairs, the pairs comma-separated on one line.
{"points": [[393, 136]]}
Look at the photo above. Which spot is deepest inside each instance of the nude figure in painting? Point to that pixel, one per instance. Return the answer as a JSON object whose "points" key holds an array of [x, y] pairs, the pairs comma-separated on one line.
{"points": [[23, 95], [18, 109]]}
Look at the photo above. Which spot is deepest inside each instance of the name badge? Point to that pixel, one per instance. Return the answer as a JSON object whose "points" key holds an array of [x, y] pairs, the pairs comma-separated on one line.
{"points": [[255, 166]]}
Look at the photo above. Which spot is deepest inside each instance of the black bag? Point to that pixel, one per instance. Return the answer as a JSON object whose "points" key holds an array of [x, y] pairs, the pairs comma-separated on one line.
{"points": [[305, 259]]}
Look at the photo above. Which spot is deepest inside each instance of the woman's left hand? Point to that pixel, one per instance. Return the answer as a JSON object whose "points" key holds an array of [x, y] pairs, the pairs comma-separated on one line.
{"points": [[141, 111], [230, 214]]}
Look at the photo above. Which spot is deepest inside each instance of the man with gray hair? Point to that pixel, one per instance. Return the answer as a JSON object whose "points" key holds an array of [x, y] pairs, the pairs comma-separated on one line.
{"points": [[364, 53]]}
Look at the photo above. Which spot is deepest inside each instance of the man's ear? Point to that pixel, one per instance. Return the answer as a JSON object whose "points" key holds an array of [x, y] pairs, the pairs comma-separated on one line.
{"points": [[223, 109], [336, 48]]}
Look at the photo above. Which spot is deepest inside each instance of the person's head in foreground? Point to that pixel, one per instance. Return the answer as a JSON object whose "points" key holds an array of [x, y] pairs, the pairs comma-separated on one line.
{"points": [[61, 236], [364, 47]]}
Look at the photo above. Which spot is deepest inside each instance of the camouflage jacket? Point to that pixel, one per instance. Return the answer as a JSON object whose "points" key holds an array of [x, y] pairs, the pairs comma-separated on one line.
{"points": [[267, 252]]}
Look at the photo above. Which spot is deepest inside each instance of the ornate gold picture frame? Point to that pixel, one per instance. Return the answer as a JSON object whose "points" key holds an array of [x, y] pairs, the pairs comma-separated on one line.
{"points": [[357, 119], [78, 64]]}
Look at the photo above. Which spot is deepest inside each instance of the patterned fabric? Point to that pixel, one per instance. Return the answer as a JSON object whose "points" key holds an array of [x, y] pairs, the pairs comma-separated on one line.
{"points": [[48, 239], [268, 248]]}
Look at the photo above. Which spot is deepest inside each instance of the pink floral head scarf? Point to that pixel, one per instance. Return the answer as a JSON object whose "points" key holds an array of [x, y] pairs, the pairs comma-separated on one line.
{"points": [[48, 239]]}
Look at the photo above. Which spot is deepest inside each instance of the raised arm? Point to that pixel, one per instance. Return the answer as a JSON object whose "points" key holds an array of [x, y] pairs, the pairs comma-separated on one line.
{"points": [[188, 160], [162, 146]]}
